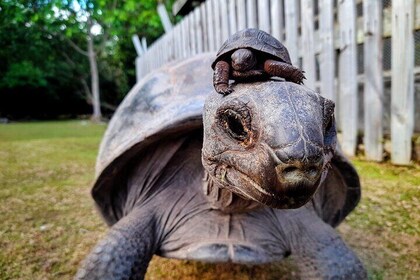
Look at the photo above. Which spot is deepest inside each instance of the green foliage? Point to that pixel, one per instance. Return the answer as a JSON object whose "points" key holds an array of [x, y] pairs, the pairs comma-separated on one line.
{"points": [[36, 50], [23, 73]]}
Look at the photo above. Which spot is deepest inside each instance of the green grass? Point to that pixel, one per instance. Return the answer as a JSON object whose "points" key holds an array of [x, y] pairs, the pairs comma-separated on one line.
{"points": [[48, 222]]}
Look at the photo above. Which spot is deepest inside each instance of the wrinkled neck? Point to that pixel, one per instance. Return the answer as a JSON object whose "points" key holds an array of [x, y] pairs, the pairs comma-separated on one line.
{"points": [[225, 200]]}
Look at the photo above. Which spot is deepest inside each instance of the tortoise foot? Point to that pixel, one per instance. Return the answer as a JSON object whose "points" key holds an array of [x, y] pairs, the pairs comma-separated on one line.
{"points": [[298, 77], [223, 89]]}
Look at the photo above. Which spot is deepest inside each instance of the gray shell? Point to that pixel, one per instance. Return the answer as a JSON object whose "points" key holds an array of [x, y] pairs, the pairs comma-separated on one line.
{"points": [[166, 102], [169, 102], [253, 39]]}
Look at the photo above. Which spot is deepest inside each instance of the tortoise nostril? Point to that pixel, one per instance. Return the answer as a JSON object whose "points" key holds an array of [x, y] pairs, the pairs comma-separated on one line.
{"points": [[297, 171], [289, 169]]}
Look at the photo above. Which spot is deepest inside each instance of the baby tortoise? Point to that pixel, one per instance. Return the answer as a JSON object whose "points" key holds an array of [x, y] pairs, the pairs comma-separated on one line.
{"points": [[252, 55]]}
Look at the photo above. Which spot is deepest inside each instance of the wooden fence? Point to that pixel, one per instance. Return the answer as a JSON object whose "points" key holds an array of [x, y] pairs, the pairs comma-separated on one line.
{"points": [[322, 37]]}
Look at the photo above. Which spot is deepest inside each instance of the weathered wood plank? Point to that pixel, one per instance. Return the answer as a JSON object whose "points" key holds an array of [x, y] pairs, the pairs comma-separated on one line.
{"points": [[308, 44], [164, 18], [251, 13], [291, 12], [224, 19], [186, 38], [204, 26], [373, 88], [217, 24], [177, 40], [192, 28], [232, 17], [327, 51], [277, 28], [264, 15], [210, 25], [199, 31], [241, 14], [347, 74], [402, 88], [184, 32]]}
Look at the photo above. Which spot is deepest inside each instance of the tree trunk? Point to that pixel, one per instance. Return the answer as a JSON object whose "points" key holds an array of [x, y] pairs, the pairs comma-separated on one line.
{"points": [[97, 115]]}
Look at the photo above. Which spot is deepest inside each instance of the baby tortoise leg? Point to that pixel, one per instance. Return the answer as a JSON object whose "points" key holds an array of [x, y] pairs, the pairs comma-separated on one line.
{"points": [[125, 252], [284, 70], [249, 76], [319, 252], [221, 77]]}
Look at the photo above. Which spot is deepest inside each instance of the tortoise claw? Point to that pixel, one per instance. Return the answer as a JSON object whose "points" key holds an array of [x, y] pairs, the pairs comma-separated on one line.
{"points": [[224, 89]]}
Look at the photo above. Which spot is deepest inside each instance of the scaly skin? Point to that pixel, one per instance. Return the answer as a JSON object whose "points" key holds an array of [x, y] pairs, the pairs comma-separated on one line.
{"points": [[319, 252], [221, 77], [284, 70], [125, 252]]}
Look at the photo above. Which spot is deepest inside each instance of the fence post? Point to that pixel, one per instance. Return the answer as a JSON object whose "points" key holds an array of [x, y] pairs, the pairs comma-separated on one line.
{"points": [[264, 15], [241, 13], [217, 24], [204, 27], [164, 18], [308, 46], [251, 13], [373, 87], [192, 29], [327, 54], [402, 88], [210, 25], [277, 19], [232, 17], [224, 19], [290, 7], [347, 74]]}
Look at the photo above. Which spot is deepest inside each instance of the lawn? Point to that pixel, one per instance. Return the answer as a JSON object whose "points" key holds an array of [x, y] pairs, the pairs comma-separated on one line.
{"points": [[49, 223]]}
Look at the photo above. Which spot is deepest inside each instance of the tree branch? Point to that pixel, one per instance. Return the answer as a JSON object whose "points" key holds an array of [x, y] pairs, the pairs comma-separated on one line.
{"points": [[74, 46]]}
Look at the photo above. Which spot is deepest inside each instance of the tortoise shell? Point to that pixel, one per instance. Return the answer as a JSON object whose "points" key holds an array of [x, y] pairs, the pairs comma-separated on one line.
{"points": [[254, 39]]}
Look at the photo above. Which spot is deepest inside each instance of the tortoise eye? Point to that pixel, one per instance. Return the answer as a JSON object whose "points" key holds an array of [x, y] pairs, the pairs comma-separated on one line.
{"points": [[235, 124]]}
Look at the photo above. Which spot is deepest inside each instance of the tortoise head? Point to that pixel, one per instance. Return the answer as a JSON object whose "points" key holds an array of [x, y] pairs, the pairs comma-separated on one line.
{"points": [[270, 142], [243, 60]]}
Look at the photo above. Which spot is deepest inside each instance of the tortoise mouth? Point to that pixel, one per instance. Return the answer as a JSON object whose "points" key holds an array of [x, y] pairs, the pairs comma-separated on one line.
{"points": [[276, 195]]}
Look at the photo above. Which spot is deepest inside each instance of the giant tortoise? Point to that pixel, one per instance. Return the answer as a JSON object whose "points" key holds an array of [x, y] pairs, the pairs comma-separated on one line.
{"points": [[261, 181]]}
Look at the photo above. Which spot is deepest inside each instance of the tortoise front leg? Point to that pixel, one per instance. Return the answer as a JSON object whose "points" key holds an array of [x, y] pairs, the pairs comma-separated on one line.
{"points": [[125, 252], [221, 77], [284, 70], [319, 252]]}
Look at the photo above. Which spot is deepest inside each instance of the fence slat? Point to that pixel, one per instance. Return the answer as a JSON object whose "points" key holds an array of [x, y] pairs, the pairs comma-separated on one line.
{"points": [[402, 88], [251, 13], [232, 17], [198, 31], [290, 7], [224, 19], [241, 14], [210, 26], [373, 88], [347, 73], [204, 26], [327, 53], [308, 45], [264, 15], [217, 24], [277, 19], [193, 29], [184, 38]]}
